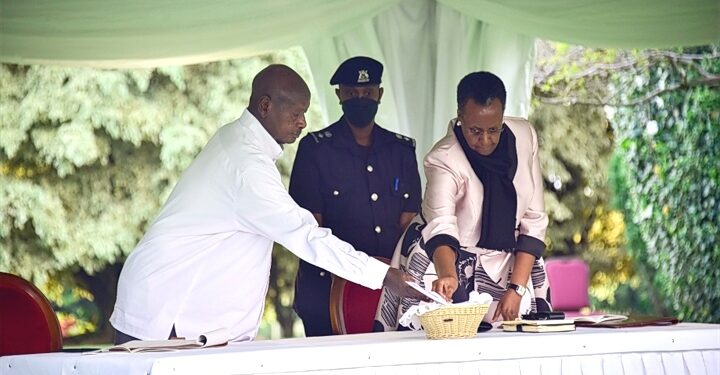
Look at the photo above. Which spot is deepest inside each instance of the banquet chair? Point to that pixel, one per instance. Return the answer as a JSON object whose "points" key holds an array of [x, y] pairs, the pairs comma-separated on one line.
{"points": [[569, 281], [28, 323], [353, 306]]}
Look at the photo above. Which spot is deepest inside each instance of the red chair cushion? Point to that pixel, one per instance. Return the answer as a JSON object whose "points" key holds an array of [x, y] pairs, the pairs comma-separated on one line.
{"points": [[359, 306], [27, 322]]}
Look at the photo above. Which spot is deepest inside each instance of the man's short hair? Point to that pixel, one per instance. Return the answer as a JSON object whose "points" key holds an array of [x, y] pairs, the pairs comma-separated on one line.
{"points": [[482, 87]]}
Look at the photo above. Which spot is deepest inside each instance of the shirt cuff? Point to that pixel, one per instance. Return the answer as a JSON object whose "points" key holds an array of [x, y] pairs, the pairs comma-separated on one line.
{"points": [[440, 240], [530, 245], [375, 271]]}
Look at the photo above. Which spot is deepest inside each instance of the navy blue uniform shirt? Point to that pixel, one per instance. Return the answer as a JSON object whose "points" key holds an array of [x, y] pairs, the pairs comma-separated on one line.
{"points": [[359, 191]]}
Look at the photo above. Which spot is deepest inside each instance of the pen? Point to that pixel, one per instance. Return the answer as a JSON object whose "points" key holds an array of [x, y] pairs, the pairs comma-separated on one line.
{"points": [[396, 184]]}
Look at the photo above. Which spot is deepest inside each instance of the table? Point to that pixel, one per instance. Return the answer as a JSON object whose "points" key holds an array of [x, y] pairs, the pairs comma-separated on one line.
{"points": [[687, 348]]}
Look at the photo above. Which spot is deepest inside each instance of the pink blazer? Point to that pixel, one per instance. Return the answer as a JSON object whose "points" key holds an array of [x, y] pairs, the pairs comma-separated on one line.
{"points": [[454, 194]]}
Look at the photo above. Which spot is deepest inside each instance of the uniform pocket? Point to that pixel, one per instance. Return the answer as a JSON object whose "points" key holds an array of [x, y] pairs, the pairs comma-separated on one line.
{"points": [[400, 189]]}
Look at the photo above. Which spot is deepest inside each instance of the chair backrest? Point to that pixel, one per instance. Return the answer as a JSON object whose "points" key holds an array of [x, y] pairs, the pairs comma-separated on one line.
{"points": [[568, 279], [28, 323], [353, 306]]}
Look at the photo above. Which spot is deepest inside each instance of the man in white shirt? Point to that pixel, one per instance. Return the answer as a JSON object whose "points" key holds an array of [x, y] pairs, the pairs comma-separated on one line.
{"points": [[204, 263]]}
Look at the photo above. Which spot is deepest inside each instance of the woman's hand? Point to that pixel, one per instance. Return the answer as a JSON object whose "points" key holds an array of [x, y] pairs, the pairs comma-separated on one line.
{"points": [[447, 281], [508, 307], [445, 286]]}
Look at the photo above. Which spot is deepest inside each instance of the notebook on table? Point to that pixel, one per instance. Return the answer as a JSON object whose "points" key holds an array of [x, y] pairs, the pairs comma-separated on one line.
{"points": [[598, 318], [630, 321], [524, 325]]}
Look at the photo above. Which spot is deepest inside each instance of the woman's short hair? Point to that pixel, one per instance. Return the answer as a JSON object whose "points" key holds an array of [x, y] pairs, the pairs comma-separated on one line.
{"points": [[482, 87]]}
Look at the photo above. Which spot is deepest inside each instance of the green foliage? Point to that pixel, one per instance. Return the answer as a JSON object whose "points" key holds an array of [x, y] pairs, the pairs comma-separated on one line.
{"points": [[670, 148], [576, 143], [575, 146], [645, 294], [663, 174], [88, 156]]}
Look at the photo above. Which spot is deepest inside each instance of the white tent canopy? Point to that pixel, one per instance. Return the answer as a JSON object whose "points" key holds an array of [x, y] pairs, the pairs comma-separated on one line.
{"points": [[134, 33], [426, 45]]}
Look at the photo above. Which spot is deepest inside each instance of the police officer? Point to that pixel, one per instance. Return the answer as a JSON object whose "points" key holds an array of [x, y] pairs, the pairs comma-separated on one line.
{"points": [[357, 179]]}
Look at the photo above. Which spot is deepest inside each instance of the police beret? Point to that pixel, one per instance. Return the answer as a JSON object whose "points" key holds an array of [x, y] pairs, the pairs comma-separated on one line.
{"points": [[358, 70]]}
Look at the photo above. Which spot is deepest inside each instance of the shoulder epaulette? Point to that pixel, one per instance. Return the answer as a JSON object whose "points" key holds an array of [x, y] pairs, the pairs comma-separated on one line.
{"points": [[321, 135], [405, 140]]}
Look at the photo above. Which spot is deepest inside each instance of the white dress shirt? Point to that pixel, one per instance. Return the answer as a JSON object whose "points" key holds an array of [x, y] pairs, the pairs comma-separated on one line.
{"points": [[205, 261]]}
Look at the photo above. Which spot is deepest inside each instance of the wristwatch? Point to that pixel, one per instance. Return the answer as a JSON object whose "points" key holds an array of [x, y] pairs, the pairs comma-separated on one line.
{"points": [[519, 289]]}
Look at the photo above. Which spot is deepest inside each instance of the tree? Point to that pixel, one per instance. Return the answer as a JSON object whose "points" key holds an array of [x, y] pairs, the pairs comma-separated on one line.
{"points": [[88, 156], [670, 151], [665, 121], [576, 144]]}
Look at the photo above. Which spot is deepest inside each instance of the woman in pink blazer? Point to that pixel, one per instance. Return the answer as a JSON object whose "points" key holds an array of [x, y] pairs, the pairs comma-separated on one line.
{"points": [[483, 220]]}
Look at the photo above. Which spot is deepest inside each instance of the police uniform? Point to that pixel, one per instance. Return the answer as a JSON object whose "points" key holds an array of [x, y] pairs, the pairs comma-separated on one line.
{"points": [[360, 192]]}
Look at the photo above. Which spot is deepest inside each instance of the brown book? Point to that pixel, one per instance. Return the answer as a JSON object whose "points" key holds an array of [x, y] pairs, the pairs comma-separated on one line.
{"points": [[631, 321]]}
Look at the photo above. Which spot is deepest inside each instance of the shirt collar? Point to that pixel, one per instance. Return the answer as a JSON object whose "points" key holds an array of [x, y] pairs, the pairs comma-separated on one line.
{"points": [[345, 138], [264, 141]]}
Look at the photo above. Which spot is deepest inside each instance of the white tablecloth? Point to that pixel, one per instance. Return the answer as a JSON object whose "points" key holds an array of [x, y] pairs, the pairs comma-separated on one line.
{"points": [[686, 348]]}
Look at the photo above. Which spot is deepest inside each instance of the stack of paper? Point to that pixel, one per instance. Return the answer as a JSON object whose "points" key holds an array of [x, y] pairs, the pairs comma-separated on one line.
{"points": [[432, 295], [217, 337]]}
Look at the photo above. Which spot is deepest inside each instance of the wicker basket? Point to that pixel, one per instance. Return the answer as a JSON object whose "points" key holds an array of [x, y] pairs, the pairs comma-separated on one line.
{"points": [[453, 322]]}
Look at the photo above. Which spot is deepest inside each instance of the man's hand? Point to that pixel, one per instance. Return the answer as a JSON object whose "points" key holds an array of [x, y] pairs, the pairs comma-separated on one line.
{"points": [[508, 307], [445, 286], [395, 281]]}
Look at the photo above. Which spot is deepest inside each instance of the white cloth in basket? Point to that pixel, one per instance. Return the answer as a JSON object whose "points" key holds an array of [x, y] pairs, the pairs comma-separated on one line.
{"points": [[411, 318]]}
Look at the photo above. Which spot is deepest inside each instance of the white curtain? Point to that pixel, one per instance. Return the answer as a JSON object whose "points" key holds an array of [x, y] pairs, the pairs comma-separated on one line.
{"points": [[426, 49]]}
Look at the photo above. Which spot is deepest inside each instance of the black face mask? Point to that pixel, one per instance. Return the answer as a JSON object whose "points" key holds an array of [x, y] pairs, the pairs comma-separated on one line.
{"points": [[360, 112]]}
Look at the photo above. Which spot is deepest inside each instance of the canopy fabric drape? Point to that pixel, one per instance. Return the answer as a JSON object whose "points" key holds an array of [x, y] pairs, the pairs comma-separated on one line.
{"points": [[140, 33], [604, 23]]}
